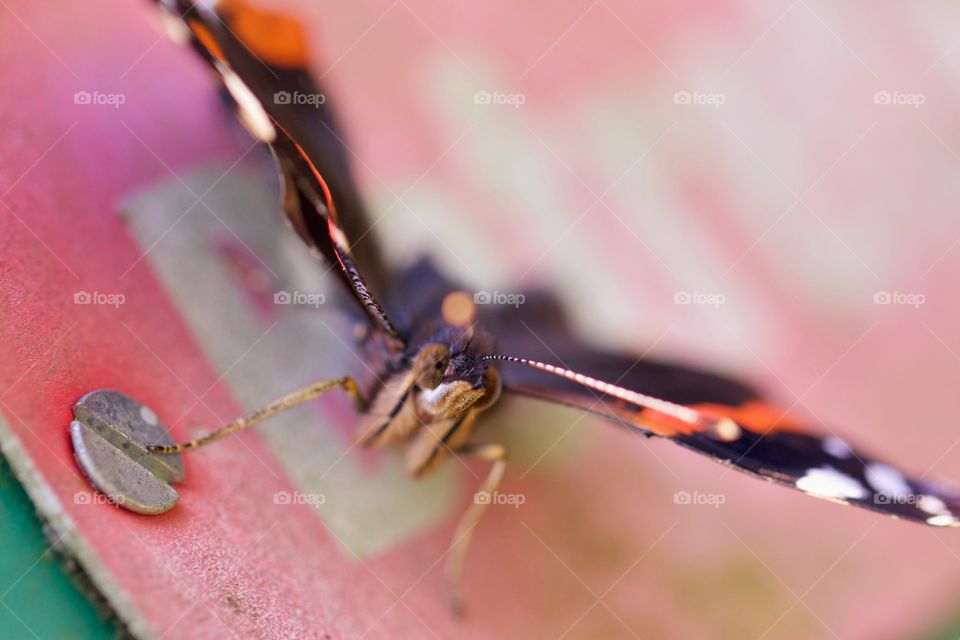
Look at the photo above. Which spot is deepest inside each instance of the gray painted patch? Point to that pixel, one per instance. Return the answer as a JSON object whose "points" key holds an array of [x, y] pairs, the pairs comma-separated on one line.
{"points": [[368, 507]]}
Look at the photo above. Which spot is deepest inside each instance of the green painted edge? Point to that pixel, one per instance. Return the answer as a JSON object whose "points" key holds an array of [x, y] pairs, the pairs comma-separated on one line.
{"points": [[79, 562], [39, 595]]}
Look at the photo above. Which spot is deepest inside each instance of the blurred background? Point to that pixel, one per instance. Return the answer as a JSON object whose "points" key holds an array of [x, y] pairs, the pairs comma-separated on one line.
{"points": [[794, 159], [765, 189]]}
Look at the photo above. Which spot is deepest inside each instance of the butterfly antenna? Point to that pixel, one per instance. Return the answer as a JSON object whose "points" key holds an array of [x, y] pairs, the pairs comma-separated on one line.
{"points": [[672, 409]]}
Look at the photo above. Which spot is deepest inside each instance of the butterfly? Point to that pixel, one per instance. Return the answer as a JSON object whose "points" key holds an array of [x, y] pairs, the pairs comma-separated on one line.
{"points": [[441, 359]]}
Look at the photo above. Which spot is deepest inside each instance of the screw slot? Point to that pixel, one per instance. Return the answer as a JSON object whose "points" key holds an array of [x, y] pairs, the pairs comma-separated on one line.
{"points": [[110, 434]]}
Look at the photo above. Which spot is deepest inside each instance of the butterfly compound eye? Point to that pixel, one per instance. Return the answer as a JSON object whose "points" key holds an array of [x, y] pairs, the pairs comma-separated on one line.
{"points": [[431, 365]]}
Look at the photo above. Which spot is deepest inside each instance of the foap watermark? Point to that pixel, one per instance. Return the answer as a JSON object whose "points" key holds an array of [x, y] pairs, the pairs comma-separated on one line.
{"points": [[899, 298], [700, 298], [91, 497], [298, 97], [715, 100], [696, 498], [499, 297], [499, 98], [512, 499], [897, 498], [99, 297], [899, 98], [99, 99], [299, 298], [298, 497]]}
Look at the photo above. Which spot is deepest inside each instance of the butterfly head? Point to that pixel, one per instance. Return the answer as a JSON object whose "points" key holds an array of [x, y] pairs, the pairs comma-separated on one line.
{"points": [[452, 376]]}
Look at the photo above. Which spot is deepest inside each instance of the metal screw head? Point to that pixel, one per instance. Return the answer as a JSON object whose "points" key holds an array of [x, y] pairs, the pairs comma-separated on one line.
{"points": [[110, 435]]}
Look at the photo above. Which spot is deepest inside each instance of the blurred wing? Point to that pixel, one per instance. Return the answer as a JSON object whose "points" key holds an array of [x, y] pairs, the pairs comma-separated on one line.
{"points": [[710, 414], [261, 58]]}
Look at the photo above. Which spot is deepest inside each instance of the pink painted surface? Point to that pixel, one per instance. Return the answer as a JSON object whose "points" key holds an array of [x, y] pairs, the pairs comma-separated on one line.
{"points": [[694, 198]]}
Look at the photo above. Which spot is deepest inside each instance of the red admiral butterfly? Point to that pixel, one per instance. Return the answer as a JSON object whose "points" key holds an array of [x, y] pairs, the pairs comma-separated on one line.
{"points": [[441, 360]]}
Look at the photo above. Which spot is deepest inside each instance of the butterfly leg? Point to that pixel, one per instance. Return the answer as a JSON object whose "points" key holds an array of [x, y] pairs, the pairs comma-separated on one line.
{"points": [[277, 406], [468, 522]]}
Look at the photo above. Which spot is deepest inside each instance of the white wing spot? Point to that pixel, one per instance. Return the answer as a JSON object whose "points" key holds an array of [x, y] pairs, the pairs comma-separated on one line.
{"points": [[933, 505], [827, 482], [251, 113], [340, 237], [174, 27], [887, 480], [726, 430], [837, 447], [942, 521]]}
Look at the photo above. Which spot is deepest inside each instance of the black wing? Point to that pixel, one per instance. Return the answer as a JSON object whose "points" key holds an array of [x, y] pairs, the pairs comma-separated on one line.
{"points": [[260, 56], [727, 420]]}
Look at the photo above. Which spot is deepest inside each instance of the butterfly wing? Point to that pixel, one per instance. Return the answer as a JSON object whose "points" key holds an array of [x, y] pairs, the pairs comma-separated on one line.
{"points": [[261, 58], [739, 428]]}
